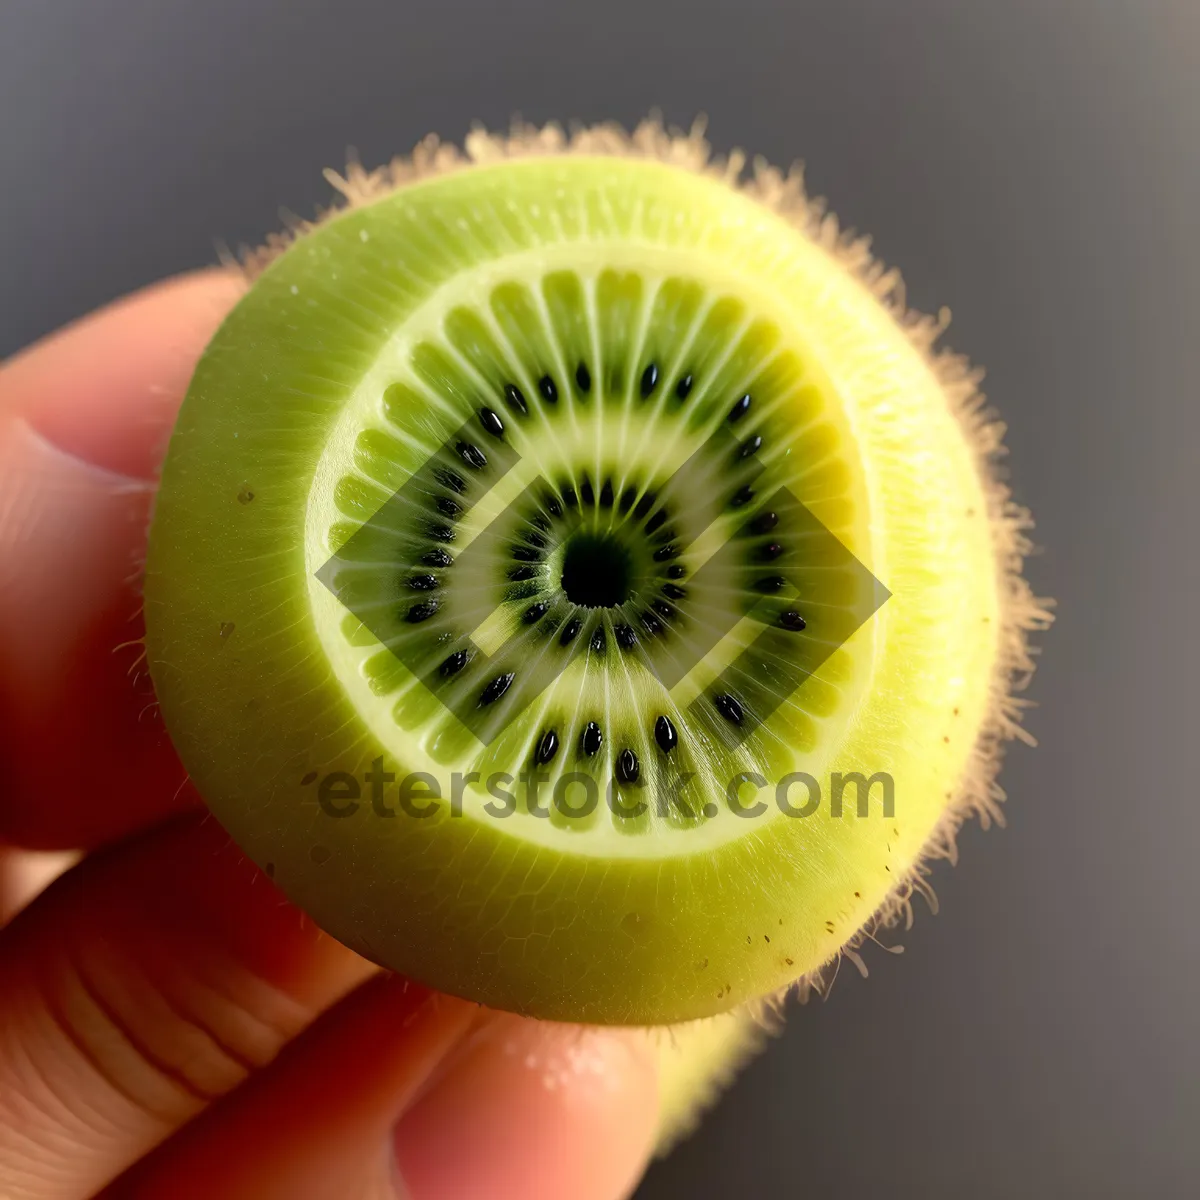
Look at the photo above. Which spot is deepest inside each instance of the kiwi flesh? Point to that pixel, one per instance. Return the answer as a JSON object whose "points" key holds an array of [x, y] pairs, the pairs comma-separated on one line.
{"points": [[586, 462]]}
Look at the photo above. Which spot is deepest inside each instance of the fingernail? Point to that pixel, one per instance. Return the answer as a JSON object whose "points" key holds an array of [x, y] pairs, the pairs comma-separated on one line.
{"points": [[532, 1111], [105, 390], [60, 519]]}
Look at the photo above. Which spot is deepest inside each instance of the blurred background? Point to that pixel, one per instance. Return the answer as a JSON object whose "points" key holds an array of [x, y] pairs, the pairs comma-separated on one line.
{"points": [[1031, 163]]}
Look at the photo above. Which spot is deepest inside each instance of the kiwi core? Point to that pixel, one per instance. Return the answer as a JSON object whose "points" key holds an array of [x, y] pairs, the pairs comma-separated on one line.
{"points": [[597, 571]]}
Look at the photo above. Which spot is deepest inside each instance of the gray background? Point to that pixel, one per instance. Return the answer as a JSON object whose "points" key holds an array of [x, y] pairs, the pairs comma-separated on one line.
{"points": [[1034, 165]]}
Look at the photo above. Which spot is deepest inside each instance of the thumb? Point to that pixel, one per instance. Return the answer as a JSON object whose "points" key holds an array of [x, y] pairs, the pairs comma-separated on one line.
{"points": [[84, 417]]}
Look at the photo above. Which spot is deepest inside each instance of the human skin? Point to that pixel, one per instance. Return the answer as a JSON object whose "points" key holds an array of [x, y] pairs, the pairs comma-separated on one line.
{"points": [[169, 1024]]}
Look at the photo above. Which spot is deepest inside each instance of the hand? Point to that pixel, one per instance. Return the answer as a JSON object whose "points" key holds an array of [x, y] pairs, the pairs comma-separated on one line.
{"points": [[169, 1025]]}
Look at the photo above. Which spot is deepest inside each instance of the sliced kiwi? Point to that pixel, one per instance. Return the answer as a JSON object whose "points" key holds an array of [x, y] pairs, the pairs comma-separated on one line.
{"points": [[579, 463]]}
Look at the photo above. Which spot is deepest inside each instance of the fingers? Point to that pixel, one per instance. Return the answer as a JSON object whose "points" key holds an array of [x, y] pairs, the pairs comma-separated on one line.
{"points": [[25, 873], [84, 419], [316, 1125], [534, 1112], [400, 1093], [140, 987]]}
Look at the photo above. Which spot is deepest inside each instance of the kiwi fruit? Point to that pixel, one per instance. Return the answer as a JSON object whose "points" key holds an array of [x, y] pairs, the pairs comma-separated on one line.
{"points": [[578, 581]]}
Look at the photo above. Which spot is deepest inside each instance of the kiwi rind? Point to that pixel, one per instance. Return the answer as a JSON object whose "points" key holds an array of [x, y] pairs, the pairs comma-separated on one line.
{"points": [[1018, 611]]}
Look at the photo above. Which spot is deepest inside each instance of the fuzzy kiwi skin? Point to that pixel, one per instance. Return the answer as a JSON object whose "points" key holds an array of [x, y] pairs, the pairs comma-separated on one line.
{"points": [[935, 716]]}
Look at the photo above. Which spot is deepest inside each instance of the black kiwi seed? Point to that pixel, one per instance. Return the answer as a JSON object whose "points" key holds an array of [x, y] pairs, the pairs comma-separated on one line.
{"points": [[451, 479], [628, 769], [526, 554], [769, 583], [644, 505], [656, 521], [683, 387], [628, 496], [549, 389], [570, 499], [421, 612], [570, 631], [626, 638], [472, 455], [553, 507], [440, 533], [676, 571], [770, 552], [665, 552], [651, 622], [423, 583], [547, 747], [540, 521], [436, 558], [497, 688], [583, 378], [739, 409], [591, 739], [750, 446], [764, 522], [742, 496], [598, 639], [521, 574], [791, 619], [673, 591], [728, 707], [454, 664], [491, 422], [448, 507], [535, 539], [586, 492], [665, 735], [534, 613], [606, 494], [649, 380], [662, 608], [515, 398]]}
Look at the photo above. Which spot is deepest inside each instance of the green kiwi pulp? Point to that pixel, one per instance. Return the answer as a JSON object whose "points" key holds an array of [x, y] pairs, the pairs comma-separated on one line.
{"points": [[534, 528], [569, 507]]}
